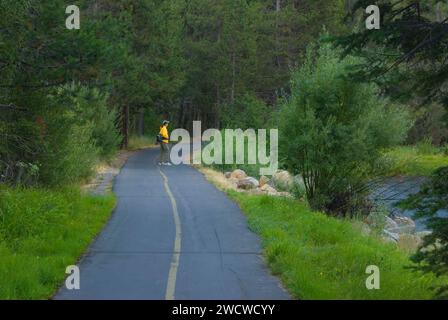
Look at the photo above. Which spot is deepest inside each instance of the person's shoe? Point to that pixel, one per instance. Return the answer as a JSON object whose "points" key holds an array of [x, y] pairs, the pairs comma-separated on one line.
{"points": [[160, 164], [167, 164]]}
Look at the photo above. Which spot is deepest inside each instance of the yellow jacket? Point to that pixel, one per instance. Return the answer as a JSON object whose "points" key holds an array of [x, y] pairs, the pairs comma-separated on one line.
{"points": [[164, 133]]}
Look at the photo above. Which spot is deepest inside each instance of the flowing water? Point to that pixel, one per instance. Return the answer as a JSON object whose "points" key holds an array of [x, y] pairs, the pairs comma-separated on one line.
{"points": [[389, 191]]}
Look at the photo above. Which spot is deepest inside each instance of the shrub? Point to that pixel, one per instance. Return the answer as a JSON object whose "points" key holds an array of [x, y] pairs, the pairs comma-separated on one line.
{"points": [[57, 137], [80, 128], [332, 129], [70, 155], [90, 105]]}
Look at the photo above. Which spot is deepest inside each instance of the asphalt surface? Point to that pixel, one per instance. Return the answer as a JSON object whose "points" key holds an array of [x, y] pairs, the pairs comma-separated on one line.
{"points": [[134, 257]]}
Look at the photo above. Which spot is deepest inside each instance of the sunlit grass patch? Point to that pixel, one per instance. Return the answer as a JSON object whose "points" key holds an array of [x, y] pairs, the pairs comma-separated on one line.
{"points": [[320, 257], [414, 161], [41, 233]]}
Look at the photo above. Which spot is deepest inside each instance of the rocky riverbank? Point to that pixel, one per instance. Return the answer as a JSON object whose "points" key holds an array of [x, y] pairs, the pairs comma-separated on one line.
{"points": [[392, 225]]}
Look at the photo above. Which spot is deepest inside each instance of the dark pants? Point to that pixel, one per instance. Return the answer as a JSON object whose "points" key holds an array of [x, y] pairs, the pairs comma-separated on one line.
{"points": [[164, 152]]}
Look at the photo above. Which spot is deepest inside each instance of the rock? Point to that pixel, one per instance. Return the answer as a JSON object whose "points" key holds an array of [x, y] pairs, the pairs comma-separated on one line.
{"points": [[282, 180], [238, 174], [263, 181], [378, 220], [285, 194], [228, 175], [299, 189], [365, 229], [409, 242], [298, 181], [423, 234], [234, 182], [403, 225], [247, 183], [390, 224], [256, 191], [362, 227], [390, 236], [268, 190]]}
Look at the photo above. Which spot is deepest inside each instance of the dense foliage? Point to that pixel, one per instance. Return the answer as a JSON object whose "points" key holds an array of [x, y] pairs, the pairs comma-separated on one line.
{"points": [[332, 129], [71, 97], [407, 57], [214, 61], [66, 94], [432, 198]]}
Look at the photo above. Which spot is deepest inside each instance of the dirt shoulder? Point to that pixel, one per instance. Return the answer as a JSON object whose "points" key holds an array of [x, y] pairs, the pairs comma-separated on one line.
{"points": [[105, 172]]}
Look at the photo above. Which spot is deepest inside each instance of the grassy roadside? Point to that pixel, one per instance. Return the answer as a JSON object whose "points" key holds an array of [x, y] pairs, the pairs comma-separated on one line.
{"points": [[41, 233], [319, 257], [141, 142], [414, 160]]}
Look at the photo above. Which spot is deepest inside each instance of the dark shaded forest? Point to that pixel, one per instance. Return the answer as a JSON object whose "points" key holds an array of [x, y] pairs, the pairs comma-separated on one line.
{"points": [[344, 98]]}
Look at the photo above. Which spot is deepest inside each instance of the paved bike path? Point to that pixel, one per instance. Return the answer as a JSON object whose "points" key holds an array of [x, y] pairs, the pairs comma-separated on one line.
{"points": [[134, 257]]}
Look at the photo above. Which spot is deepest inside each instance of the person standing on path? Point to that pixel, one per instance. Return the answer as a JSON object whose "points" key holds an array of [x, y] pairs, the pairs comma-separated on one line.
{"points": [[164, 144]]}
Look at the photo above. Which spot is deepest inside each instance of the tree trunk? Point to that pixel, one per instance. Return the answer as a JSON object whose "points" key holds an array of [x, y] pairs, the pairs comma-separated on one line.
{"points": [[181, 114], [218, 107], [141, 122], [125, 127], [439, 12], [277, 35], [348, 5], [232, 94]]}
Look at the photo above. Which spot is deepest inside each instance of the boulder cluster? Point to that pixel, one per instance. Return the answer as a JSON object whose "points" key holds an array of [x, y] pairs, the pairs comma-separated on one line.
{"points": [[279, 184], [398, 229], [394, 227]]}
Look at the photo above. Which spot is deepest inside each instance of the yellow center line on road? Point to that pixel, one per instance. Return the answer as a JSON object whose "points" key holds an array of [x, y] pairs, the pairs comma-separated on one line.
{"points": [[172, 275]]}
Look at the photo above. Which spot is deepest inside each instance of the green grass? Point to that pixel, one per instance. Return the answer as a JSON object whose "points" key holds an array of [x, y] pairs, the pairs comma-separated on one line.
{"points": [[413, 161], [141, 142], [319, 257], [41, 233]]}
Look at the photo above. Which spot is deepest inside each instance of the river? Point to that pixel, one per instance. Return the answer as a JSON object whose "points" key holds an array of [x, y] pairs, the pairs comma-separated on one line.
{"points": [[389, 191]]}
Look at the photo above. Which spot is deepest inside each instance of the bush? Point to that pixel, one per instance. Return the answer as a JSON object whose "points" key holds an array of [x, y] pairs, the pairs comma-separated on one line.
{"points": [[70, 154], [332, 129], [80, 128], [90, 106], [19, 144], [57, 136]]}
